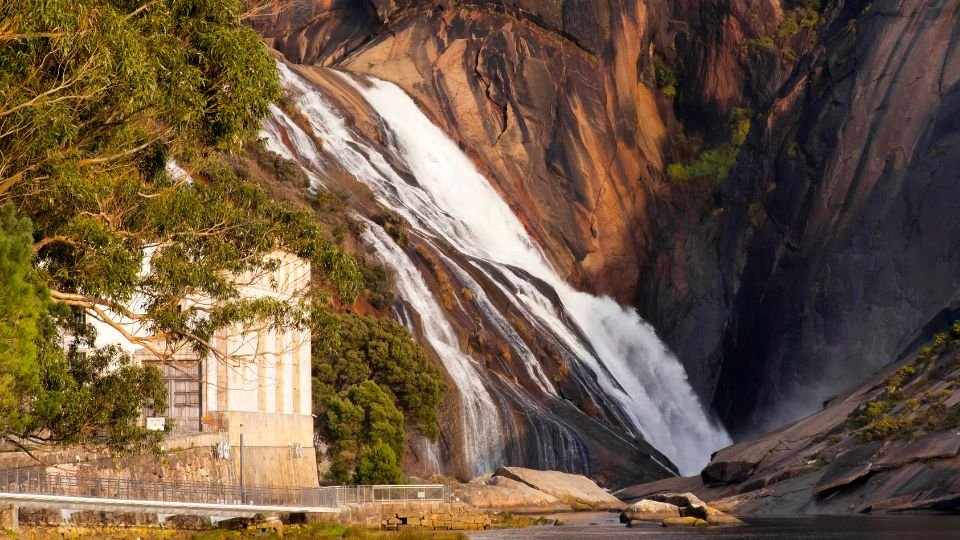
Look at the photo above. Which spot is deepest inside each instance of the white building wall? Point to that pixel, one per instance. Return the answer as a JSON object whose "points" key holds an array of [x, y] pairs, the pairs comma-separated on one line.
{"points": [[267, 370]]}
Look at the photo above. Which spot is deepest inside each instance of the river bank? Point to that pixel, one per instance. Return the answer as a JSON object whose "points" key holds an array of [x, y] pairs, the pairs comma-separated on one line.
{"points": [[601, 525]]}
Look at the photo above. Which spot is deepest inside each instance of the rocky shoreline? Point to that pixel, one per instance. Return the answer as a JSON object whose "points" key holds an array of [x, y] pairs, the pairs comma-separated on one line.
{"points": [[517, 490]]}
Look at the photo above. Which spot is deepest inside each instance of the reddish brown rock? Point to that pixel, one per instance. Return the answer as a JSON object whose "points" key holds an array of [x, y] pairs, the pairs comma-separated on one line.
{"points": [[936, 445]]}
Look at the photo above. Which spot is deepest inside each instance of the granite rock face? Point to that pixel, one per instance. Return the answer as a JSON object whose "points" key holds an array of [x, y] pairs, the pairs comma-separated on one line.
{"points": [[548, 97], [891, 445], [840, 214], [800, 274]]}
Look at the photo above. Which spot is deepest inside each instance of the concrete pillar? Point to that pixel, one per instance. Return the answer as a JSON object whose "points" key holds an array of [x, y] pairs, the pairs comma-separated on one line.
{"points": [[9, 518]]}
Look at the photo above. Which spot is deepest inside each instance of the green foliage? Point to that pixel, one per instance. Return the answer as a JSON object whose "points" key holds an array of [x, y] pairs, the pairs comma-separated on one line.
{"points": [[762, 43], [394, 225], [47, 395], [870, 411], [378, 282], [666, 77], [358, 422], [884, 427], [911, 409], [799, 15], [788, 27], [895, 381], [95, 97], [86, 80], [717, 161], [711, 163], [22, 305], [378, 465], [383, 351], [97, 398], [370, 379]]}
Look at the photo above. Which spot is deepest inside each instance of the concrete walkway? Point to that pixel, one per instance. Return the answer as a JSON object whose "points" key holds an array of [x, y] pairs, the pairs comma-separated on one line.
{"points": [[30, 500]]}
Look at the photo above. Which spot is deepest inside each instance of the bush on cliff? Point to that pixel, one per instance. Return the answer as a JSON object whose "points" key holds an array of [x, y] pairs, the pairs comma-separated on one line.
{"points": [[715, 162], [370, 380], [383, 351]]}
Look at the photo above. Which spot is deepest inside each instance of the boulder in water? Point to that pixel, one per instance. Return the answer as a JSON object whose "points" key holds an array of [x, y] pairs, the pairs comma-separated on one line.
{"points": [[647, 510], [682, 500], [690, 506]]}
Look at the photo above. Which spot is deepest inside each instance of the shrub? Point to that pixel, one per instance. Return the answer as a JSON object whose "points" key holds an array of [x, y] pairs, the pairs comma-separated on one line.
{"points": [[370, 380], [394, 225], [665, 76], [717, 161], [378, 282], [378, 465], [885, 427], [869, 412]]}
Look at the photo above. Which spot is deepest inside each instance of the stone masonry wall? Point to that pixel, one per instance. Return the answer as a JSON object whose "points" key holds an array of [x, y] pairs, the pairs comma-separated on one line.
{"points": [[415, 515]]}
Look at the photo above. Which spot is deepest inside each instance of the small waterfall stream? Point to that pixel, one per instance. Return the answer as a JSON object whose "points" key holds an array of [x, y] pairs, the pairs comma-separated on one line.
{"points": [[448, 202]]}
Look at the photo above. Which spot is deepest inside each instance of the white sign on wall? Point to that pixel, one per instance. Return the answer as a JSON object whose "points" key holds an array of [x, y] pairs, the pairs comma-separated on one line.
{"points": [[156, 423]]}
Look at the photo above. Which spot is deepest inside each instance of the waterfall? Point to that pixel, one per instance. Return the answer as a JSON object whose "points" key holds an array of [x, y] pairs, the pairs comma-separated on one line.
{"points": [[449, 201], [482, 432]]}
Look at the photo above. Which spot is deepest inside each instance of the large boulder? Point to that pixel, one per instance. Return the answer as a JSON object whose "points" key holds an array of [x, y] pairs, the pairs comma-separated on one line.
{"points": [[576, 490], [682, 500], [506, 494], [734, 464], [647, 510], [690, 506]]}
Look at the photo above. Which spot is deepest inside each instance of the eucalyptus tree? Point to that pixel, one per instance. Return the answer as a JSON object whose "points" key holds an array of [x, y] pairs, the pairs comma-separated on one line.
{"points": [[96, 97]]}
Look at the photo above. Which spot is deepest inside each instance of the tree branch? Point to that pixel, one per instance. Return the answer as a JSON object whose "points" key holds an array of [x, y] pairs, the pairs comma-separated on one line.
{"points": [[37, 246]]}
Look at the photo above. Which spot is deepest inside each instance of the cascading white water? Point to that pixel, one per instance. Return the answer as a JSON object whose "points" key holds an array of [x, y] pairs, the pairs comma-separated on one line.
{"points": [[482, 433], [452, 201]]}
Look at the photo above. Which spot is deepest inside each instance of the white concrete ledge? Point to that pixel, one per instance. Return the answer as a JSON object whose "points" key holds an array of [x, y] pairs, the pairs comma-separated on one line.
{"points": [[157, 507]]}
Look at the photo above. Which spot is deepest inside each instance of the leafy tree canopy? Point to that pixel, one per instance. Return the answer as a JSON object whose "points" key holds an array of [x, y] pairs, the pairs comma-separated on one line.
{"points": [[370, 379], [383, 351], [96, 96]]}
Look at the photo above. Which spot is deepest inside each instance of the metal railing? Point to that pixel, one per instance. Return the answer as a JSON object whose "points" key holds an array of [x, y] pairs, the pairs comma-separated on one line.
{"points": [[42, 483], [392, 493]]}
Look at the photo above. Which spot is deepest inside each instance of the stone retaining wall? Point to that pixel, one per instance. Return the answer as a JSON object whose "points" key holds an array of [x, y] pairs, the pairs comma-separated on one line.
{"points": [[415, 515]]}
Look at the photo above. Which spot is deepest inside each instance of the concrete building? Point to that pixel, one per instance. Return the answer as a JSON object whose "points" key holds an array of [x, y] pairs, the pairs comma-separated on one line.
{"points": [[255, 381]]}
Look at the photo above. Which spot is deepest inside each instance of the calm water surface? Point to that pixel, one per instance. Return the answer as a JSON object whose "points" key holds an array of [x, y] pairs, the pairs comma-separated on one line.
{"points": [[587, 526]]}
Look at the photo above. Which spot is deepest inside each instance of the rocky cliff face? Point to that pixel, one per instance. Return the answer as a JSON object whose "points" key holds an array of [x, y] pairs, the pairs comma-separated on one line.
{"points": [[829, 248], [548, 97], [840, 213], [890, 445]]}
